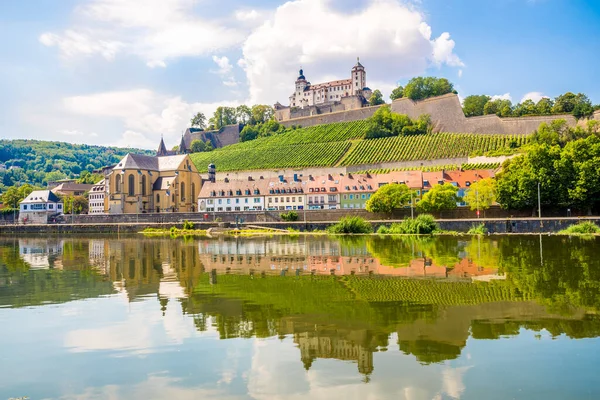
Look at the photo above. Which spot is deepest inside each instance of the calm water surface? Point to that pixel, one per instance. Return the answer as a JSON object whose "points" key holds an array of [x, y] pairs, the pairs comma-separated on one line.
{"points": [[307, 317]]}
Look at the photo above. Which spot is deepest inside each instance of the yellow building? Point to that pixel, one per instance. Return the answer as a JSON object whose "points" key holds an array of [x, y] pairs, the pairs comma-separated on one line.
{"points": [[146, 184]]}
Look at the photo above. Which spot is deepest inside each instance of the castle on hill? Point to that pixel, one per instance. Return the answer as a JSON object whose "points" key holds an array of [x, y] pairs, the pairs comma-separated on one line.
{"points": [[327, 97]]}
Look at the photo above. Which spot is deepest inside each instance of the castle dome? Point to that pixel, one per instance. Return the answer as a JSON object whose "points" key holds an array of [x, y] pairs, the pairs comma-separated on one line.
{"points": [[301, 75]]}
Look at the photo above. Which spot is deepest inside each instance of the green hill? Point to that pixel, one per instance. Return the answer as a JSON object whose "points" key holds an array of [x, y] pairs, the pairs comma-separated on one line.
{"points": [[40, 161], [344, 144]]}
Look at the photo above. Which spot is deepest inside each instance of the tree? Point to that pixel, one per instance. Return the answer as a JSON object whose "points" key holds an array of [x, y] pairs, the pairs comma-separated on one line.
{"points": [[243, 114], [500, 107], [388, 198], [54, 176], [481, 194], [376, 98], [250, 132], [420, 88], [473, 105], [397, 93], [75, 205], [198, 121], [525, 108], [385, 123], [197, 146], [544, 106], [439, 198], [15, 194], [223, 116], [89, 178], [261, 113]]}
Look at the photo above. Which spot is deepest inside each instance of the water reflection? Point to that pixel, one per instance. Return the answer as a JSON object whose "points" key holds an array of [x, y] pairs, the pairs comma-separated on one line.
{"points": [[331, 299]]}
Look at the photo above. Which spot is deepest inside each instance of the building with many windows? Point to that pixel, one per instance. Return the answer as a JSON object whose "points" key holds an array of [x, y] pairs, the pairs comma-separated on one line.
{"points": [[39, 206], [235, 195], [146, 184], [96, 198]]}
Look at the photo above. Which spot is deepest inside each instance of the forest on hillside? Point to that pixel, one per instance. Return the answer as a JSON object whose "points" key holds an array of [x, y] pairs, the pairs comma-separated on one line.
{"points": [[36, 161]]}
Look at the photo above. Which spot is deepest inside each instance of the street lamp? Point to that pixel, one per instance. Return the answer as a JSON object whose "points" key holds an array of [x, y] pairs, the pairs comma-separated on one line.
{"points": [[539, 202]]}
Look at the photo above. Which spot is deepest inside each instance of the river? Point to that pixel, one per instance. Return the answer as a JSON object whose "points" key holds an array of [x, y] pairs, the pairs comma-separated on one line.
{"points": [[501, 317]]}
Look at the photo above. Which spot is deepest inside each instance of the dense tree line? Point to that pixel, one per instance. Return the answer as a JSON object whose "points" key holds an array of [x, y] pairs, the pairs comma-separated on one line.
{"points": [[421, 88], [564, 161], [38, 162], [579, 105]]}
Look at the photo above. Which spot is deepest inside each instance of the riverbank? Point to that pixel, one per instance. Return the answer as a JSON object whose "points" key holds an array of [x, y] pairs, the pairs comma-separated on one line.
{"points": [[492, 225]]}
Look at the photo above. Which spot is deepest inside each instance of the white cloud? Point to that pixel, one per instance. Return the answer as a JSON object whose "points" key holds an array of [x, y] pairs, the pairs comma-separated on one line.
{"points": [[392, 40], [224, 66], [535, 96], [505, 96], [157, 31], [143, 113], [460, 72], [246, 15], [73, 43]]}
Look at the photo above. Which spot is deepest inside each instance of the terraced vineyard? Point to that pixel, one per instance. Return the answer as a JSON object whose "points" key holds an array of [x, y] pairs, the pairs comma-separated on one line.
{"points": [[427, 147], [343, 144], [429, 291]]}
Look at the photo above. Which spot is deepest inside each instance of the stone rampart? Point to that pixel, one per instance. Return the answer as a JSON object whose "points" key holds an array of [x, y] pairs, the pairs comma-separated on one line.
{"points": [[446, 114]]}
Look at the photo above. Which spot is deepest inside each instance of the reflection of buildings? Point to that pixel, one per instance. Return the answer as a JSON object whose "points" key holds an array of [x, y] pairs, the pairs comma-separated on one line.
{"points": [[97, 250], [41, 253], [313, 346]]}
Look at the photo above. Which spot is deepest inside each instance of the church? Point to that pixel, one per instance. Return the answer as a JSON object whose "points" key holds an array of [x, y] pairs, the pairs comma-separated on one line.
{"points": [[339, 95]]}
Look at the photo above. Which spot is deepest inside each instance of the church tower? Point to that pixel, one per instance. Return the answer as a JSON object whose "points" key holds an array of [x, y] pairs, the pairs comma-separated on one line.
{"points": [[162, 149], [301, 83], [359, 78], [182, 147]]}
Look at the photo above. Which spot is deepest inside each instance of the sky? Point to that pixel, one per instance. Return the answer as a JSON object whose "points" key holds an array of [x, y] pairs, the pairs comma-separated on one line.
{"points": [[125, 72]]}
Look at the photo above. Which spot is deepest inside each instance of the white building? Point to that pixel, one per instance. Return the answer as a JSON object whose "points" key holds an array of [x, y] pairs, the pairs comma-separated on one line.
{"points": [[285, 194], [234, 195], [39, 206], [96, 198], [307, 94]]}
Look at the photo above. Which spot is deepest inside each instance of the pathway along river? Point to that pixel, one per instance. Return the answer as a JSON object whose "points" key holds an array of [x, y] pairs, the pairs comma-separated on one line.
{"points": [[307, 317]]}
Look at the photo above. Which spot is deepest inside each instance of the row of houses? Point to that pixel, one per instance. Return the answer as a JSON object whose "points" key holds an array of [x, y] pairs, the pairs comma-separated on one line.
{"points": [[171, 183], [329, 191]]}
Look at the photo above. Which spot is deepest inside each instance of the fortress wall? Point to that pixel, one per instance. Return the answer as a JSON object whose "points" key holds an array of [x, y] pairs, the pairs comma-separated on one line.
{"points": [[446, 114], [340, 116]]}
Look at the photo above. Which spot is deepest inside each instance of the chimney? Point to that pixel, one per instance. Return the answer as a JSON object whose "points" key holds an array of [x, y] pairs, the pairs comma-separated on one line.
{"points": [[249, 179], [329, 177], [261, 177], [349, 175], [226, 180]]}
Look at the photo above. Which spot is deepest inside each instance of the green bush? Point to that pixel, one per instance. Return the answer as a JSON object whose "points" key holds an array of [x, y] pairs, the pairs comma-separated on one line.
{"points": [[188, 225], [424, 224], [351, 225], [582, 228], [289, 216], [477, 230]]}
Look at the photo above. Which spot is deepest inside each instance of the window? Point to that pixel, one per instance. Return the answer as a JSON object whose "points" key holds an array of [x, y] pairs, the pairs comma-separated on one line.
{"points": [[131, 185], [310, 199], [257, 200], [270, 199], [322, 199], [237, 201], [182, 191], [276, 199], [351, 197], [210, 201], [118, 183], [51, 206], [287, 199], [246, 201], [25, 207], [193, 194], [143, 185], [228, 201], [363, 196], [345, 197], [220, 201]]}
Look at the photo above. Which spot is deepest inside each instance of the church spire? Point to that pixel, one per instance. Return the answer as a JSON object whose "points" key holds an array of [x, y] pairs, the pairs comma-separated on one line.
{"points": [[162, 149], [182, 147]]}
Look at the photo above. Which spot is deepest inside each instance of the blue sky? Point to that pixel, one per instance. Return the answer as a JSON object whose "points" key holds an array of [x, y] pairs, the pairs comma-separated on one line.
{"points": [[123, 72]]}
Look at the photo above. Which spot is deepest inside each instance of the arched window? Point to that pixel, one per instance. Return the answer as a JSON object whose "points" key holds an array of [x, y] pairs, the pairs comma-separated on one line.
{"points": [[157, 198], [182, 190], [143, 185], [193, 194], [131, 185], [118, 184]]}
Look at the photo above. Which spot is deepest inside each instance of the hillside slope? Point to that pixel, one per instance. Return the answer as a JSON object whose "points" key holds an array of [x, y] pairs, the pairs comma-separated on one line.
{"points": [[343, 143], [41, 160]]}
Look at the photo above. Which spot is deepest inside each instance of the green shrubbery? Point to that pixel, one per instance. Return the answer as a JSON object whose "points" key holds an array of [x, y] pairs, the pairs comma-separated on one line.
{"points": [[478, 230], [188, 225], [582, 228], [289, 216], [351, 225], [424, 224]]}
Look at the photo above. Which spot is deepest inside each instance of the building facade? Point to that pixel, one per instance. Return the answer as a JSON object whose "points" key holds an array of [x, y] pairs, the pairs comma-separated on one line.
{"points": [[146, 184], [39, 207], [96, 198]]}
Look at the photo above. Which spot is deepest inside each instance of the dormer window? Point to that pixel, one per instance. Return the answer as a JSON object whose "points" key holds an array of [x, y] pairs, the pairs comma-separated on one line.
{"points": [[256, 191]]}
